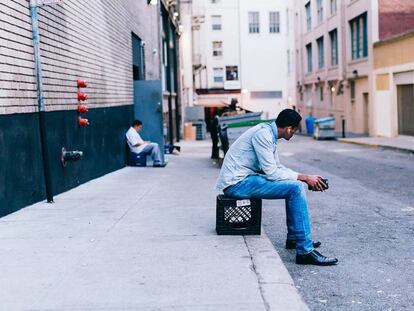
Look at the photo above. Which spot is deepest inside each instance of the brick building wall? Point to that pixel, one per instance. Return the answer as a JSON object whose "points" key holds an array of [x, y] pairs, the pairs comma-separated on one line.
{"points": [[90, 40], [395, 17], [79, 39]]}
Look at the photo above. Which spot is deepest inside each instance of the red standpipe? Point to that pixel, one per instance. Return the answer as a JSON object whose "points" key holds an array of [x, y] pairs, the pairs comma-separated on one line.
{"points": [[81, 83], [83, 122], [82, 108], [82, 96]]}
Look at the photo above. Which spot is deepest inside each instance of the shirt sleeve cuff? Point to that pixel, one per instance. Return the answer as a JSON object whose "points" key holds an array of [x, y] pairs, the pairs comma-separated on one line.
{"points": [[294, 175]]}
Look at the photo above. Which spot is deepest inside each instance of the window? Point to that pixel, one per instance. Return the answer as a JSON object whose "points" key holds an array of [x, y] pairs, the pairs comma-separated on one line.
{"points": [[254, 24], [352, 90], [359, 37], [232, 73], [333, 7], [216, 22], [308, 16], [217, 48], [321, 92], [333, 35], [274, 22], [309, 56], [321, 56], [319, 5], [218, 75], [266, 94]]}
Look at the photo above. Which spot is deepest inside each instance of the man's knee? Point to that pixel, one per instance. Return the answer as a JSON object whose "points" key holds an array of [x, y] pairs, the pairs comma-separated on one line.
{"points": [[298, 188]]}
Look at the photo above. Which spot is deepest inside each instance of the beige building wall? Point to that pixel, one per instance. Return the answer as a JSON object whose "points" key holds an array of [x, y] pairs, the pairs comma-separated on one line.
{"points": [[329, 91], [261, 57], [393, 66]]}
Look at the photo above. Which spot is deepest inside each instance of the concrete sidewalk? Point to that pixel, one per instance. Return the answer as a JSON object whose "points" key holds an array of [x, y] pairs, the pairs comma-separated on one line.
{"points": [[401, 143], [139, 239]]}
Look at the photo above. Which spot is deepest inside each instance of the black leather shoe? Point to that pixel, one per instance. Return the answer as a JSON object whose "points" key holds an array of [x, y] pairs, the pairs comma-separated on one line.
{"points": [[315, 258], [160, 164], [291, 244]]}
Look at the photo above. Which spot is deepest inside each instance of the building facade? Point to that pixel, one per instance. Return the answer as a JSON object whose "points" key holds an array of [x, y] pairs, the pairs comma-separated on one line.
{"points": [[239, 50], [393, 83], [334, 56], [109, 44]]}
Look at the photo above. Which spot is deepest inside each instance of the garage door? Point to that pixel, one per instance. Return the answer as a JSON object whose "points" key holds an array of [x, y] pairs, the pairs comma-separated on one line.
{"points": [[406, 109]]}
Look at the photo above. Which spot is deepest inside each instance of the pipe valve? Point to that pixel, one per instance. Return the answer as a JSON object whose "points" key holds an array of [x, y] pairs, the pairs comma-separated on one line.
{"points": [[82, 108], [83, 122], [70, 156]]}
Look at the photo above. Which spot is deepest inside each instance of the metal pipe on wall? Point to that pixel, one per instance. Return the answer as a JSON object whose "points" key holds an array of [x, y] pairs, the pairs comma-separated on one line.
{"points": [[40, 101], [169, 74]]}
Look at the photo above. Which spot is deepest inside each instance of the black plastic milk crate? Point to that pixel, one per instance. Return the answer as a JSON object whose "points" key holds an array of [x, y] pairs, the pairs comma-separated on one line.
{"points": [[238, 216]]}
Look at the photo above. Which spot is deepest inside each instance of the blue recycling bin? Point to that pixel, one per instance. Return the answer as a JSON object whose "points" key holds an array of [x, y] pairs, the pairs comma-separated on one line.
{"points": [[309, 125]]}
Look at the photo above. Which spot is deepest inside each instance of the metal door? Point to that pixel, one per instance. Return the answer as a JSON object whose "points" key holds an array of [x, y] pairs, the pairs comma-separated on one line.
{"points": [[406, 109], [148, 109]]}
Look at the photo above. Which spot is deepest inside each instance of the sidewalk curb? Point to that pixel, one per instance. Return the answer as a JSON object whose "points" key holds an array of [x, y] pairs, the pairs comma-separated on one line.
{"points": [[371, 145], [275, 283]]}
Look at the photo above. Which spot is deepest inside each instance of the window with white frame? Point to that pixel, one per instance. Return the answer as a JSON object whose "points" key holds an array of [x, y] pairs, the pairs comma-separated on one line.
{"points": [[274, 22], [308, 16], [254, 22], [217, 48], [333, 35], [309, 56], [218, 75], [319, 8], [216, 22], [333, 7], [321, 53]]}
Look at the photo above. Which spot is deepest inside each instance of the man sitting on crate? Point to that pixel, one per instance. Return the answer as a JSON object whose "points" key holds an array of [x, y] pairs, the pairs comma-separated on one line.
{"points": [[139, 146], [251, 169]]}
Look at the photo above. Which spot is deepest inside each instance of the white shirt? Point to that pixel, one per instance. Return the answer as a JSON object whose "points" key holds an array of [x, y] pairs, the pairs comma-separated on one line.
{"points": [[254, 153], [134, 138]]}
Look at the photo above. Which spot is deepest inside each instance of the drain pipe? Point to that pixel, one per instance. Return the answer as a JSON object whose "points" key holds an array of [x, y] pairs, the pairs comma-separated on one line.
{"points": [[41, 101]]}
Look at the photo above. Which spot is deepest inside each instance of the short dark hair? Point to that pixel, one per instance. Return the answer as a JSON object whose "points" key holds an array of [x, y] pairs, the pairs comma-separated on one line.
{"points": [[288, 117], [136, 123]]}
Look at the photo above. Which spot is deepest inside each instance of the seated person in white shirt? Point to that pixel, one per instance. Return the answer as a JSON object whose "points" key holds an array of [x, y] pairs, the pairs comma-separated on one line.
{"points": [[139, 146]]}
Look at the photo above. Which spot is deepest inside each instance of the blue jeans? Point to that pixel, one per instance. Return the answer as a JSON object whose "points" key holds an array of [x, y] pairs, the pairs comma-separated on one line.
{"points": [[294, 193], [154, 150]]}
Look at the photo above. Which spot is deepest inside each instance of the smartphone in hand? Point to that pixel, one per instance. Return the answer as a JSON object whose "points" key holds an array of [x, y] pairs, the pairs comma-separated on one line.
{"points": [[325, 185]]}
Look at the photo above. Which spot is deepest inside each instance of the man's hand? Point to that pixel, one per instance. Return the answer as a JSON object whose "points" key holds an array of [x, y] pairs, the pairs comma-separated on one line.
{"points": [[314, 181]]}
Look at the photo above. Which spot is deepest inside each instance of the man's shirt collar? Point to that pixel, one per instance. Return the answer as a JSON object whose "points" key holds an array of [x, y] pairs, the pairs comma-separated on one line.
{"points": [[274, 130]]}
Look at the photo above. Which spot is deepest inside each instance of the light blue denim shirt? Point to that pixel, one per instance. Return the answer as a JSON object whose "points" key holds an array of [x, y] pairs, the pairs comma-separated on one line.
{"points": [[254, 153]]}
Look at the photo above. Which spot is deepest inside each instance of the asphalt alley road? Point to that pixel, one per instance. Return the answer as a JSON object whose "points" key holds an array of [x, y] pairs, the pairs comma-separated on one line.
{"points": [[366, 219]]}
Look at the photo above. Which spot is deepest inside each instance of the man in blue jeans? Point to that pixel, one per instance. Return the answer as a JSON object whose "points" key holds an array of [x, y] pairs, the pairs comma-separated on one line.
{"points": [[139, 146], [251, 169]]}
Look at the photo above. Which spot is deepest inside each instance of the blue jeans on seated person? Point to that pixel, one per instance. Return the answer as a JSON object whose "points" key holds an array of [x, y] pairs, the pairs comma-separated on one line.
{"points": [[294, 193], [154, 150]]}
